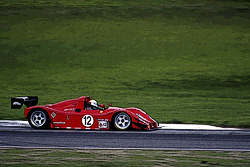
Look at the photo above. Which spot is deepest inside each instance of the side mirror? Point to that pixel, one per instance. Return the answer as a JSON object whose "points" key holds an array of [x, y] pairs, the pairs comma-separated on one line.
{"points": [[102, 105], [110, 104]]}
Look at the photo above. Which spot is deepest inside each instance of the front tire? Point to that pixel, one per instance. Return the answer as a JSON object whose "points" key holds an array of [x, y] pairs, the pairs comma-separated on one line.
{"points": [[39, 119], [122, 121]]}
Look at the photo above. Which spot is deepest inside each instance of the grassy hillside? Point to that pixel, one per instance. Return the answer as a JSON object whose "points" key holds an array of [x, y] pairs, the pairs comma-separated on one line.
{"points": [[180, 61]]}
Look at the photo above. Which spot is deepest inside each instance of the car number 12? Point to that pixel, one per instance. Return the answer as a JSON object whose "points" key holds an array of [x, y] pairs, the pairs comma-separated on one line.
{"points": [[87, 120]]}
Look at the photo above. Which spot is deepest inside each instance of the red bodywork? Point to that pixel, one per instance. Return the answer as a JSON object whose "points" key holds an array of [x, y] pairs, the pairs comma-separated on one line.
{"points": [[72, 114]]}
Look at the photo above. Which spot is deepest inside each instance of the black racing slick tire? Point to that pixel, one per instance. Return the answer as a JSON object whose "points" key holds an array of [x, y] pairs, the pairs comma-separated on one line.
{"points": [[39, 119], [122, 121]]}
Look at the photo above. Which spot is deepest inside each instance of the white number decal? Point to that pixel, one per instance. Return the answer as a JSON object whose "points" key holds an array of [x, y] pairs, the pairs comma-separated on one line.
{"points": [[87, 120]]}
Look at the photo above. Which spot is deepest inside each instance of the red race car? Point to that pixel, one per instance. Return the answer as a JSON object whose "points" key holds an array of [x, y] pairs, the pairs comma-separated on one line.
{"points": [[82, 113]]}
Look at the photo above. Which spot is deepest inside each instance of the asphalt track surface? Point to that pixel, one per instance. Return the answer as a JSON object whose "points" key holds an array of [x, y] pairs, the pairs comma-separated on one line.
{"points": [[26, 137]]}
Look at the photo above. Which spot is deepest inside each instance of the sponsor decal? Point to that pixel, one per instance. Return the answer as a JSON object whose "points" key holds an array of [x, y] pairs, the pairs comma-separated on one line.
{"points": [[69, 109], [59, 122], [53, 114], [17, 104], [24, 98], [103, 120], [103, 124], [87, 120]]}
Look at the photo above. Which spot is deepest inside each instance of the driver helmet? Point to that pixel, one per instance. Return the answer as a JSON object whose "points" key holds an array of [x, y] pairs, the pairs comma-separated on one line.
{"points": [[93, 103]]}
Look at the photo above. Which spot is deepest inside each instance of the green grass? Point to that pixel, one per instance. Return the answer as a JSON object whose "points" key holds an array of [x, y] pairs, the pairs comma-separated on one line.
{"points": [[69, 157], [180, 61]]}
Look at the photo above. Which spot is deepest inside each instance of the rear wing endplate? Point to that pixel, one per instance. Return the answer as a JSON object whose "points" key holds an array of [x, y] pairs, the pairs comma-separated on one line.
{"points": [[17, 102]]}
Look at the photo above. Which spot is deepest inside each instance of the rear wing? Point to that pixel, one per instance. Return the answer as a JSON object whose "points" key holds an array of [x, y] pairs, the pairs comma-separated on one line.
{"points": [[17, 102]]}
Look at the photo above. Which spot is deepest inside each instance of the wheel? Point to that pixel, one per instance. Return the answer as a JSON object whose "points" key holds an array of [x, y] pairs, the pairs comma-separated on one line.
{"points": [[39, 119], [122, 121]]}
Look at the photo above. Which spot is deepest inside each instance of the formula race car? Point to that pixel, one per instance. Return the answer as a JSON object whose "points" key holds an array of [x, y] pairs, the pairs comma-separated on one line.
{"points": [[82, 113]]}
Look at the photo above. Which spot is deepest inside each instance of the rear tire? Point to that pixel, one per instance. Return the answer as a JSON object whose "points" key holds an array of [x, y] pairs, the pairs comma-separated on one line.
{"points": [[39, 119], [122, 121]]}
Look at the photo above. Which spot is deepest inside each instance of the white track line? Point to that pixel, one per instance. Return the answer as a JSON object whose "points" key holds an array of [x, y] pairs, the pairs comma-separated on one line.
{"points": [[16, 123], [193, 127]]}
